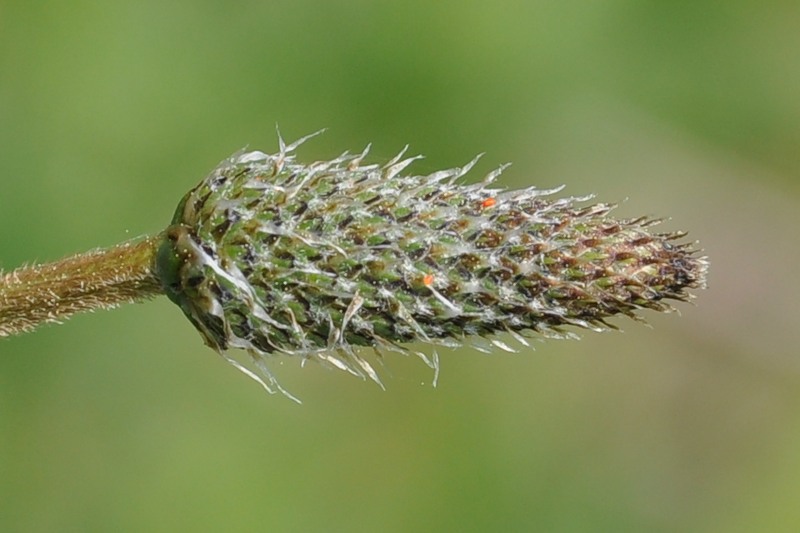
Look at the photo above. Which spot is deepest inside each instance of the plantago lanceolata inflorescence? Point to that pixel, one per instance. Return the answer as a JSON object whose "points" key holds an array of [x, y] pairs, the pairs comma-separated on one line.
{"points": [[317, 261]]}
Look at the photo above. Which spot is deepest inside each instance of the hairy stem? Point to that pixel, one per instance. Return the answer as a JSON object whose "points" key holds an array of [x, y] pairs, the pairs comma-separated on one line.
{"points": [[100, 279]]}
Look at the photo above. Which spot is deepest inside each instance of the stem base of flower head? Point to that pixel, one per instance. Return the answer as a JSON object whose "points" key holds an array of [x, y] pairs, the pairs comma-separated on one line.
{"points": [[100, 279]]}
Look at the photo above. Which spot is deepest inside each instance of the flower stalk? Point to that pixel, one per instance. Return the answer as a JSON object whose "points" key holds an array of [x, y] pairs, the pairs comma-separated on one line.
{"points": [[100, 279]]}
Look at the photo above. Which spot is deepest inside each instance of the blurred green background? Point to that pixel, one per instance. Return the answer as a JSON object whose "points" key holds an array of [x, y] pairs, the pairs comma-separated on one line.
{"points": [[124, 421]]}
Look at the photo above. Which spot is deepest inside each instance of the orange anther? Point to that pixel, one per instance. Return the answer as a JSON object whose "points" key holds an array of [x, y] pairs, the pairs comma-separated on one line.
{"points": [[428, 280], [489, 202]]}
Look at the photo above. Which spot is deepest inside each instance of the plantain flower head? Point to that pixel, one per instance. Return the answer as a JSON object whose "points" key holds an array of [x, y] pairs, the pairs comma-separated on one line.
{"points": [[314, 260]]}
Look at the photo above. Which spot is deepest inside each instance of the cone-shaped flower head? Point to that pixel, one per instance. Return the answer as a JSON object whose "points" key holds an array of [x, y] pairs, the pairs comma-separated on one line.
{"points": [[279, 257]]}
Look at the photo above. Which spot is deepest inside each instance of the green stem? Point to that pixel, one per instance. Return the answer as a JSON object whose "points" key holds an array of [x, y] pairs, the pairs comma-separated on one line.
{"points": [[100, 279]]}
